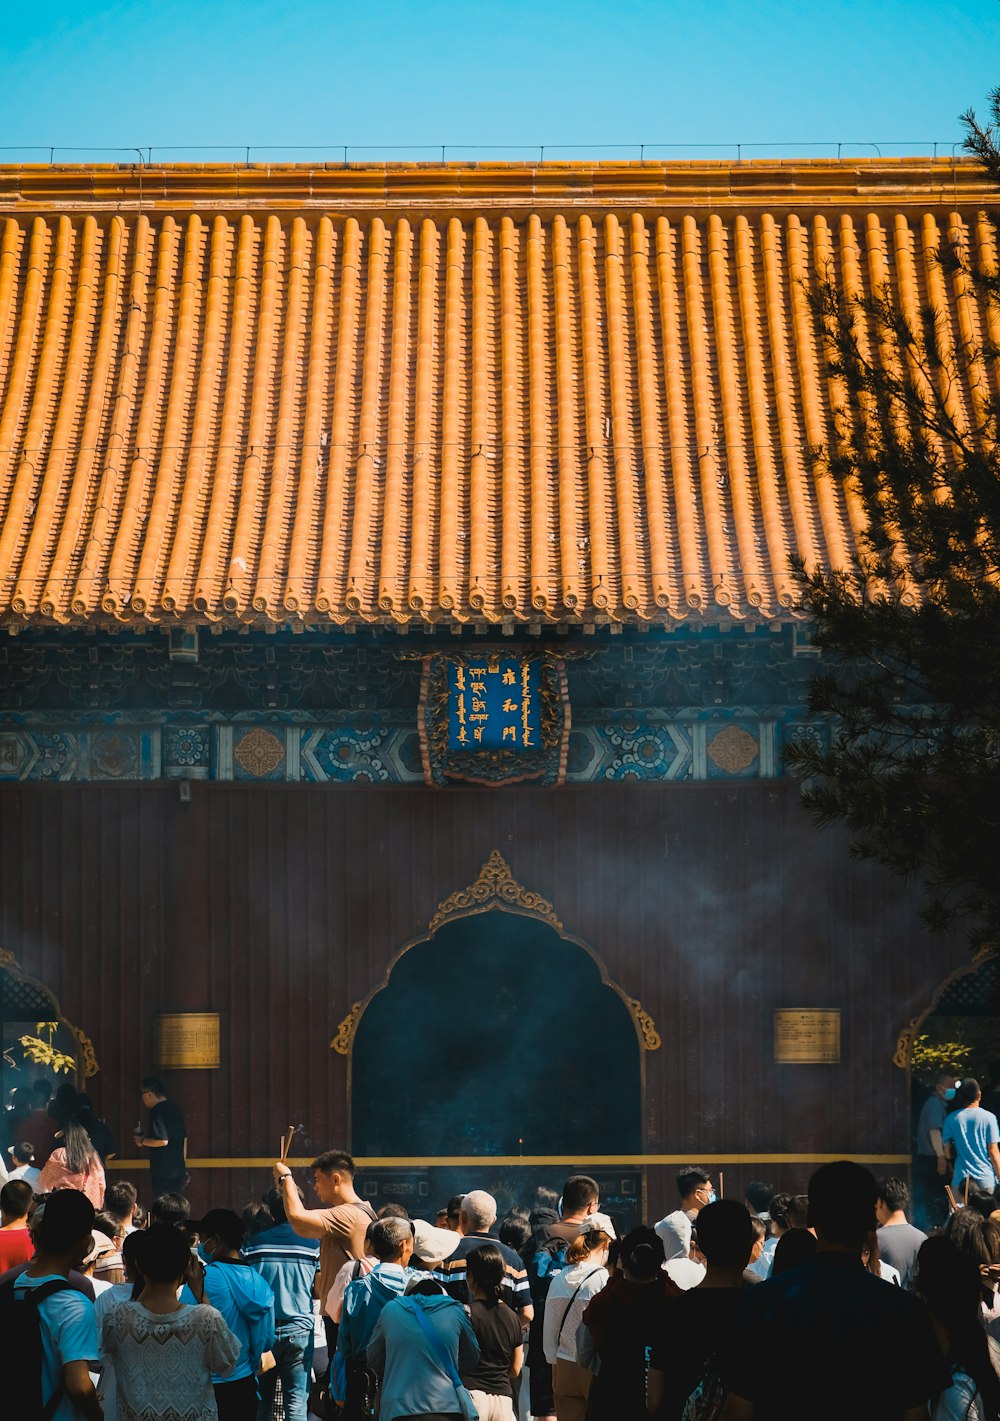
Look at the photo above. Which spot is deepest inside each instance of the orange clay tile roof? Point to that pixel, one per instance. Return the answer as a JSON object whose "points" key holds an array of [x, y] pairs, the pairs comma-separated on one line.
{"points": [[570, 393]]}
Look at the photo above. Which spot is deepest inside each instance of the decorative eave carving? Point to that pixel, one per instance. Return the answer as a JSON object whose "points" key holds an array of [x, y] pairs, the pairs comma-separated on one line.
{"points": [[495, 882]]}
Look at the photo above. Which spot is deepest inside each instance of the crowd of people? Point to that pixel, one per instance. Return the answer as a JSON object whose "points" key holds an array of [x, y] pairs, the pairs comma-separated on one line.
{"points": [[828, 1304]]}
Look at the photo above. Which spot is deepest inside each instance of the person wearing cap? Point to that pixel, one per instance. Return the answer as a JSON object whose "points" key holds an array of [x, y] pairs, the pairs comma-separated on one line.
{"points": [[432, 1244], [246, 1302], [23, 1159], [101, 1247], [68, 1325]]}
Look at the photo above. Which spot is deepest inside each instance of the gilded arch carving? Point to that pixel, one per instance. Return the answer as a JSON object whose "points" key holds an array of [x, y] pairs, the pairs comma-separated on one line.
{"points": [[497, 888]]}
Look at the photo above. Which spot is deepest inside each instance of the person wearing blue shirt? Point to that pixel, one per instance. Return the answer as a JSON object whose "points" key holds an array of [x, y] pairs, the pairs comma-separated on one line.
{"points": [[68, 1325], [288, 1264], [247, 1305], [973, 1136], [364, 1299]]}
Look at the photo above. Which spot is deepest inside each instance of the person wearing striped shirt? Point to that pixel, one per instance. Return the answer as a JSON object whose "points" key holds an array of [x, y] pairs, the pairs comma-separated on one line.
{"points": [[288, 1263], [478, 1215]]}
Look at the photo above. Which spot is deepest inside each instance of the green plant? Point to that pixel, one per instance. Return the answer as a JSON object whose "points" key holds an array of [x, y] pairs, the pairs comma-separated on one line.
{"points": [[45, 1052], [930, 1056]]}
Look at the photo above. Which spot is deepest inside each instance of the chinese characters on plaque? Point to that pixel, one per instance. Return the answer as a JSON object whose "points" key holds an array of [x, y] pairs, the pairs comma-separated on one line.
{"points": [[807, 1035], [494, 704], [495, 715], [188, 1040]]}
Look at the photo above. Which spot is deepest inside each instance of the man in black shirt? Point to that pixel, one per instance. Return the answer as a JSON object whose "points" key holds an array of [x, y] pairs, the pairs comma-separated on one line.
{"points": [[701, 1325], [165, 1137], [829, 1340]]}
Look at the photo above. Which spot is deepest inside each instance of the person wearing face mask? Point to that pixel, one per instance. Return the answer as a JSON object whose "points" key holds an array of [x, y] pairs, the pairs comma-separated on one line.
{"points": [[930, 1165], [246, 1302], [572, 1289], [694, 1185]]}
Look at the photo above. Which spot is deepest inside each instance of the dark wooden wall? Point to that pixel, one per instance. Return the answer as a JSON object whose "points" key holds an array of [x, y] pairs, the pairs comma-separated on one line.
{"points": [[279, 906]]}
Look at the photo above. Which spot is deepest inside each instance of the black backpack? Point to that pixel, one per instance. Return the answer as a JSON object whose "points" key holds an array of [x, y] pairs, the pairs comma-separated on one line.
{"points": [[21, 1330]]}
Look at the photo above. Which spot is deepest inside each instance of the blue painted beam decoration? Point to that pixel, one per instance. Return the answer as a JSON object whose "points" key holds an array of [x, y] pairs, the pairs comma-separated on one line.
{"points": [[495, 703]]}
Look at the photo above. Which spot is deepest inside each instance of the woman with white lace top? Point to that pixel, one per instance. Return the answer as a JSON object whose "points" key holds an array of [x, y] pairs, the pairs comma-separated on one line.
{"points": [[163, 1351]]}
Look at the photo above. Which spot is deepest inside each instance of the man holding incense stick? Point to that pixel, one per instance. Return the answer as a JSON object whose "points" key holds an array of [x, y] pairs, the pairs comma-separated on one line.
{"points": [[340, 1225]]}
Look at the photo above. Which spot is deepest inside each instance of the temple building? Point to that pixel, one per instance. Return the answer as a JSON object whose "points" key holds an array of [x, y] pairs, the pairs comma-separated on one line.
{"points": [[398, 645]]}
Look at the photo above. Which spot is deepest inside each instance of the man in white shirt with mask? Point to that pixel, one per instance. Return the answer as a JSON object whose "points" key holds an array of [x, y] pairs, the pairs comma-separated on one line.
{"points": [[694, 1185]]}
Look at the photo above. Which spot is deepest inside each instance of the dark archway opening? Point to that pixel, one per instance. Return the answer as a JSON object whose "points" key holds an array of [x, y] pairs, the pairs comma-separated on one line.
{"points": [[496, 1037]]}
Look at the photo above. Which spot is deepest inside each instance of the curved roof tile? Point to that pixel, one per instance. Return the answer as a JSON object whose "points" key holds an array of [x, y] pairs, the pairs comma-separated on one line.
{"points": [[571, 393]]}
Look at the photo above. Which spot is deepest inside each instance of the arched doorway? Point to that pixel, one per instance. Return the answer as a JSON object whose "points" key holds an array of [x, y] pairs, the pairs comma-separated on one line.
{"points": [[496, 1036]]}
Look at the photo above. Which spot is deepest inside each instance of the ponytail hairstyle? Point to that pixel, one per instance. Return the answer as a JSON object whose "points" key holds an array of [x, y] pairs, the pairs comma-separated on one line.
{"points": [[590, 1241], [485, 1268]]}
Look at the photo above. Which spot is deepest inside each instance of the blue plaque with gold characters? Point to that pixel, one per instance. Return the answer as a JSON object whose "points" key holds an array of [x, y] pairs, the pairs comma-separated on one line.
{"points": [[494, 717], [495, 704]]}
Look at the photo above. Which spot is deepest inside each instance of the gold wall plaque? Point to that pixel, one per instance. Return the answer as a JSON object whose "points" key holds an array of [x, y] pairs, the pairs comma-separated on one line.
{"points": [[806, 1034], [188, 1041]]}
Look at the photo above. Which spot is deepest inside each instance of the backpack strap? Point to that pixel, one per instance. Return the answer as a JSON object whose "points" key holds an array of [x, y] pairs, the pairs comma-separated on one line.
{"points": [[569, 1305], [37, 1296], [437, 1346]]}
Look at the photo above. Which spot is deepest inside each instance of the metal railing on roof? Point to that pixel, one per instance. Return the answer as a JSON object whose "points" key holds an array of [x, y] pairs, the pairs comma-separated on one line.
{"points": [[346, 153]]}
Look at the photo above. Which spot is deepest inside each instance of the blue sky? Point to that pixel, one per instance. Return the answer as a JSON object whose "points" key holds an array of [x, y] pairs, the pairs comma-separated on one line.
{"points": [[389, 74]]}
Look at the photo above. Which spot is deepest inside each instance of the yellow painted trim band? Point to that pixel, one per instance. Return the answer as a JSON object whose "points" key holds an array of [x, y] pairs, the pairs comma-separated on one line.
{"points": [[445, 1161]]}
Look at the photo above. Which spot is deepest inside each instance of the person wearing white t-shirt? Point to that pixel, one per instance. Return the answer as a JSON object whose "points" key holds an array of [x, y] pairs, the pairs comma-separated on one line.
{"points": [[694, 1185], [570, 1292]]}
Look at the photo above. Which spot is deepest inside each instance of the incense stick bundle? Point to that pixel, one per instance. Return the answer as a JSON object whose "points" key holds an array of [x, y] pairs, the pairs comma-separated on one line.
{"points": [[286, 1143], [951, 1198], [722, 1185]]}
